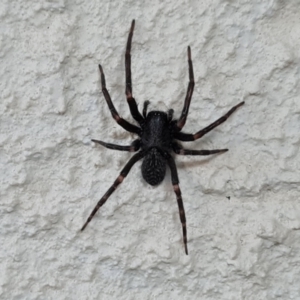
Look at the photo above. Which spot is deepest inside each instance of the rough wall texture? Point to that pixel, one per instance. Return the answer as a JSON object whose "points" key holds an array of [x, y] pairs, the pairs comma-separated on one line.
{"points": [[242, 207]]}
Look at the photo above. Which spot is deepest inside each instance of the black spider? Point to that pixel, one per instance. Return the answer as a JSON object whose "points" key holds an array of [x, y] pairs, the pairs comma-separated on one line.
{"points": [[157, 133]]}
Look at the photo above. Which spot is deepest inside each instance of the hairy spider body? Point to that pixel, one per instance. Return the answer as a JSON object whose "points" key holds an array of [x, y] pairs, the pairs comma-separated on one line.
{"points": [[157, 133], [154, 166], [156, 139]]}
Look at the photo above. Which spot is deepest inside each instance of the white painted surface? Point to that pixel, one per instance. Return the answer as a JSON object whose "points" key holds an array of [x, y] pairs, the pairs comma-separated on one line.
{"points": [[52, 175]]}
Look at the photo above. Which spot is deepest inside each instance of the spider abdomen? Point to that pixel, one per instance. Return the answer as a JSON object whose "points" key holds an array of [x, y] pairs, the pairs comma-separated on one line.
{"points": [[154, 167]]}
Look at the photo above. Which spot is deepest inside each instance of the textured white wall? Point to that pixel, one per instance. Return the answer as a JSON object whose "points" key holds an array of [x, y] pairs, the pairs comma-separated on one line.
{"points": [[245, 247]]}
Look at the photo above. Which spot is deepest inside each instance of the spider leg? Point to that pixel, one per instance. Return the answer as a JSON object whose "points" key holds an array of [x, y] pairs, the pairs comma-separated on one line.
{"points": [[128, 89], [146, 103], [126, 125], [175, 182], [181, 151], [119, 180], [186, 137], [189, 93], [135, 146]]}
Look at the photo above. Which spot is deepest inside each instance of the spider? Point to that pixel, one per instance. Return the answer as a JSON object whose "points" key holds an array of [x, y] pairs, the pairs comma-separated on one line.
{"points": [[157, 134]]}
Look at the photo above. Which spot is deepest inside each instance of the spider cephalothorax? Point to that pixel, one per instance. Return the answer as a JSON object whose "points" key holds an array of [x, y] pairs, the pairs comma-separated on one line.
{"points": [[158, 134]]}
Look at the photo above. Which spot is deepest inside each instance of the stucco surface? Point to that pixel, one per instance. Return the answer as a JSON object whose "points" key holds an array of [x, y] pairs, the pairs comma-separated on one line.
{"points": [[242, 207]]}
